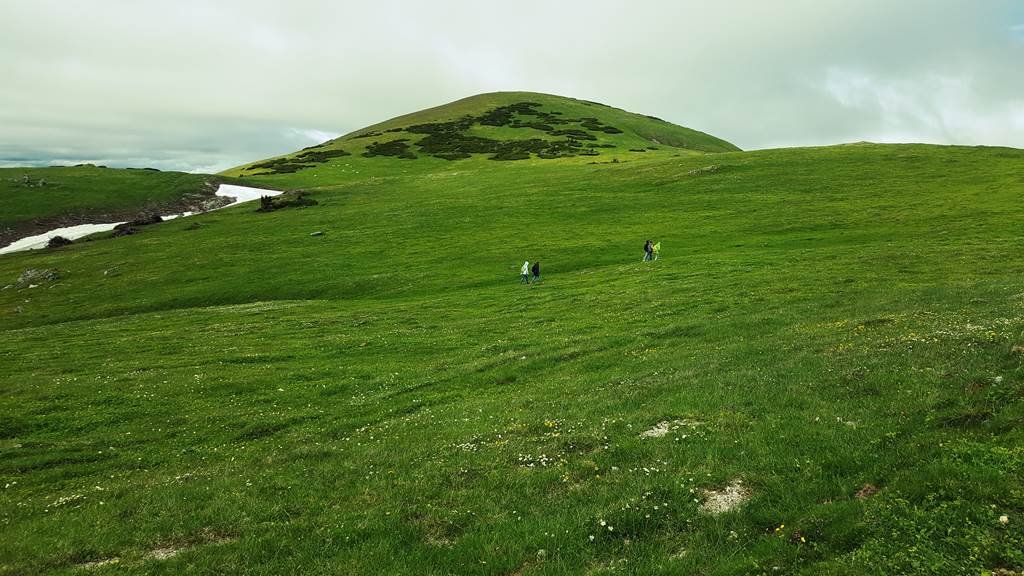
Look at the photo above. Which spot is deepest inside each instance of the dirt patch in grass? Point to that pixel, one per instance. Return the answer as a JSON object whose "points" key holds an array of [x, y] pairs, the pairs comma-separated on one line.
{"points": [[665, 426], [163, 553], [867, 491], [94, 564], [716, 502], [205, 538]]}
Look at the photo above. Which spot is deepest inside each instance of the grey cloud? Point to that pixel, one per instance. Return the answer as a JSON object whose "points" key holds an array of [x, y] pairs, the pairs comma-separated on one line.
{"points": [[206, 85]]}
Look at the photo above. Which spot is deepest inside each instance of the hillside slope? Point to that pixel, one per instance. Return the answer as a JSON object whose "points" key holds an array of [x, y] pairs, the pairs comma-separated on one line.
{"points": [[505, 126], [832, 338]]}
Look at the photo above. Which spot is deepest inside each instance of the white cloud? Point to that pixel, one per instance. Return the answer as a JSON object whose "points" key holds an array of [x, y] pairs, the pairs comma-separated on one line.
{"points": [[929, 108]]}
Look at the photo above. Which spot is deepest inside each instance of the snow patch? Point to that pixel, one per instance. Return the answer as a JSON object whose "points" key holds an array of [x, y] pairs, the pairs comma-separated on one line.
{"points": [[239, 194]]}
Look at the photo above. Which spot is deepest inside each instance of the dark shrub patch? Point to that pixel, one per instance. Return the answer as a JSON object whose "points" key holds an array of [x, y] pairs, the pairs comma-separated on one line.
{"points": [[57, 242], [457, 143], [306, 159], [281, 166], [286, 200], [398, 148], [595, 125], [146, 221], [452, 155], [579, 134], [320, 156]]}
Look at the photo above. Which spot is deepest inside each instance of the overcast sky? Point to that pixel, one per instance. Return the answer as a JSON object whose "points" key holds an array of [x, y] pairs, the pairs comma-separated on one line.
{"points": [[206, 85]]}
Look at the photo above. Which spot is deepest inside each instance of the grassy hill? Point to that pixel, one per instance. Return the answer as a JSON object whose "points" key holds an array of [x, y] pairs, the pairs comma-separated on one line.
{"points": [[34, 200], [833, 336], [504, 126]]}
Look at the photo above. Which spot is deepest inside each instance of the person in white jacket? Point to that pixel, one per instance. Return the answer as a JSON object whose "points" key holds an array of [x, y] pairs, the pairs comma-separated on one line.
{"points": [[525, 272]]}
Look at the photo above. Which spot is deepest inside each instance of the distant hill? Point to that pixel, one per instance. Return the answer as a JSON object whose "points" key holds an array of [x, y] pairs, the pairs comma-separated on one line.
{"points": [[500, 126]]}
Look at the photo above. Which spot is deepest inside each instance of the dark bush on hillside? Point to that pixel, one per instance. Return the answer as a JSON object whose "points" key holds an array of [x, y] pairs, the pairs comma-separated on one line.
{"points": [[126, 231], [395, 130], [560, 149], [496, 117], [637, 150], [442, 127], [286, 200], [145, 221], [595, 125], [308, 158], [457, 142], [452, 155], [321, 156], [133, 227], [57, 242], [279, 166], [397, 148], [579, 134]]}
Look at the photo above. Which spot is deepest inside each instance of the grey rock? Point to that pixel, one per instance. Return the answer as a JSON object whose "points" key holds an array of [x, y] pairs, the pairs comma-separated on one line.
{"points": [[317, 233], [36, 276]]}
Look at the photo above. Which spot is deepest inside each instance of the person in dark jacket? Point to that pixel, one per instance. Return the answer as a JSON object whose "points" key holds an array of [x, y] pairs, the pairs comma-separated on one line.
{"points": [[536, 271], [648, 251]]}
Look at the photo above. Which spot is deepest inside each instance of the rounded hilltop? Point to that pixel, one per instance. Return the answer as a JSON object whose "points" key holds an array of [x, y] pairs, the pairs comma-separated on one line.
{"points": [[500, 126]]}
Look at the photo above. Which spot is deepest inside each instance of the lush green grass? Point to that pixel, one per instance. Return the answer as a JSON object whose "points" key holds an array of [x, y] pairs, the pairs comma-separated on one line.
{"points": [[387, 399], [89, 193]]}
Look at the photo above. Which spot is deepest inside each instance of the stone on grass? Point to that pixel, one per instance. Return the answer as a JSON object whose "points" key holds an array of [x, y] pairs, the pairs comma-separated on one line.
{"points": [[36, 276]]}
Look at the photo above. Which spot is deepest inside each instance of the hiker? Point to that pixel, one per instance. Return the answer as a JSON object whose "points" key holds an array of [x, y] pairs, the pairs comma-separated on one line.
{"points": [[536, 272], [525, 272], [648, 251], [656, 250]]}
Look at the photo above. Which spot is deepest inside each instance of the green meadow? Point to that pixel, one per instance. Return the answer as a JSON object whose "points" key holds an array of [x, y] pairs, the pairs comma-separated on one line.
{"points": [[822, 374]]}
